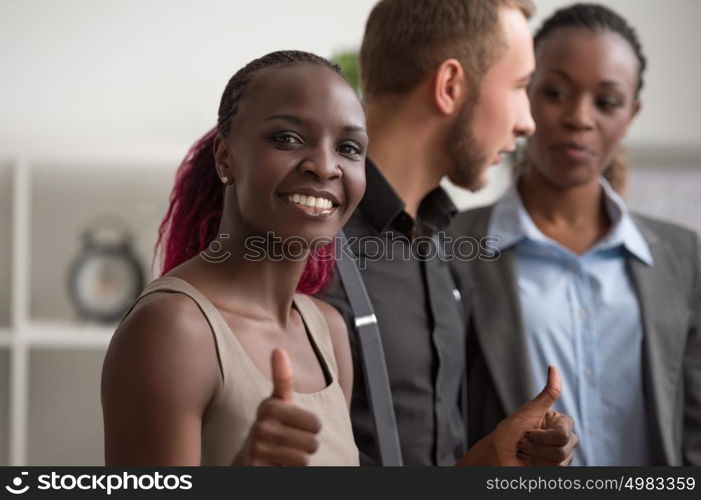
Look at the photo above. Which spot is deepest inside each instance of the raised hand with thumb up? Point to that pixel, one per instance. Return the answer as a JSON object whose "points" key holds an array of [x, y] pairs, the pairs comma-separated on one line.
{"points": [[533, 435], [283, 434]]}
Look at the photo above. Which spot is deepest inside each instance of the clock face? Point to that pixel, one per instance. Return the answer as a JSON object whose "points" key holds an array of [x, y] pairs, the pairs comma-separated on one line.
{"points": [[106, 284]]}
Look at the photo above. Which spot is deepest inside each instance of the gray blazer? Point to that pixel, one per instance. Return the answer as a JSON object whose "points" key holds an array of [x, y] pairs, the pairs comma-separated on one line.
{"points": [[669, 293]]}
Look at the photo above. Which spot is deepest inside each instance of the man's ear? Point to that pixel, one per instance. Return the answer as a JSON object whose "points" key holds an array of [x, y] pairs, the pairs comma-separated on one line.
{"points": [[450, 89], [223, 158]]}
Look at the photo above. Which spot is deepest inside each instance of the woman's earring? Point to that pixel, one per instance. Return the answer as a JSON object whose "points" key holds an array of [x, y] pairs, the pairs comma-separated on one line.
{"points": [[225, 180]]}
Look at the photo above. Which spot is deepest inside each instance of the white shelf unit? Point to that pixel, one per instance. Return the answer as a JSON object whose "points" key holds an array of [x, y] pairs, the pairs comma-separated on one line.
{"points": [[52, 359]]}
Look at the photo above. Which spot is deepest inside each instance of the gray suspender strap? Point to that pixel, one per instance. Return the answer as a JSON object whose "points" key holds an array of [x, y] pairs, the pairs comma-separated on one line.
{"points": [[373, 358]]}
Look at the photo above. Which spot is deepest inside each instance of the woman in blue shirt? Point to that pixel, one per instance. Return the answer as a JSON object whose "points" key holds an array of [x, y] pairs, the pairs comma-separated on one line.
{"points": [[610, 297]]}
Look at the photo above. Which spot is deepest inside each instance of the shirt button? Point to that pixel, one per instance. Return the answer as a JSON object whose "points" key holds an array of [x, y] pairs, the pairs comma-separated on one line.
{"points": [[591, 432], [586, 373], [583, 313], [456, 294]]}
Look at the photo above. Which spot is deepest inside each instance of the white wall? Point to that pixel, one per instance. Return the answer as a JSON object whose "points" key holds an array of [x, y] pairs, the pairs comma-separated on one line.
{"points": [[142, 78]]}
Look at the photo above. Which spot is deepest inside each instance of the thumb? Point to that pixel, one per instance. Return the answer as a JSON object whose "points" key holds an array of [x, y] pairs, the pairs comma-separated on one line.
{"points": [[283, 381], [551, 391]]}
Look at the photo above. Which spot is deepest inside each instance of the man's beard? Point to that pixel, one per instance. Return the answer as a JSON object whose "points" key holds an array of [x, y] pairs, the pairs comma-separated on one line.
{"points": [[467, 159]]}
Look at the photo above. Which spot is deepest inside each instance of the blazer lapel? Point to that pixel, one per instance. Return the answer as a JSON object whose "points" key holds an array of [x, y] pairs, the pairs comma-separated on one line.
{"points": [[499, 329], [660, 306]]}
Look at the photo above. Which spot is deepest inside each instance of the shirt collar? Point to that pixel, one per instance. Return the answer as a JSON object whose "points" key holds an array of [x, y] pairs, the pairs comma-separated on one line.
{"points": [[624, 230], [510, 223], [436, 210], [381, 205]]}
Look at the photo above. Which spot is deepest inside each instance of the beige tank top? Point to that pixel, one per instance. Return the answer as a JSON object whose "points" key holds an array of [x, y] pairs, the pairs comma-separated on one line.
{"points": [[242, 386]]}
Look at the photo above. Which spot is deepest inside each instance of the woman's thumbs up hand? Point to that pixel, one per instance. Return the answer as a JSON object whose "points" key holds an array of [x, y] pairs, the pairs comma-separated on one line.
{"points": [[283, 433]]}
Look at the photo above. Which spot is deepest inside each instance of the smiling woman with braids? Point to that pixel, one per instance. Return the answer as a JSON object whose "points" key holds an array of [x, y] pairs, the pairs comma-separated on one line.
{"points": [[220, 361], [611, 297]]}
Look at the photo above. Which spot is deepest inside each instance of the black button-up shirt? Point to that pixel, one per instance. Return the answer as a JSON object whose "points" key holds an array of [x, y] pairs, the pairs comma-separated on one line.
{"points": [[420, 321]]}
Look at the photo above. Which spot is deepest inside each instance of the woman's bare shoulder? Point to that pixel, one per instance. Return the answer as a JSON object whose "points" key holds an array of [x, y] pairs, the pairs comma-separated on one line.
{"points": [[341, 345], [337, 325], [164, 339], [158, 378], [164, 317]]}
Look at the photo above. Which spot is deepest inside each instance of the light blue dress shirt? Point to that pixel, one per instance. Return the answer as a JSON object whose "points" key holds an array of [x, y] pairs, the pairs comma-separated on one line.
{"points": [[581, 313]]}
